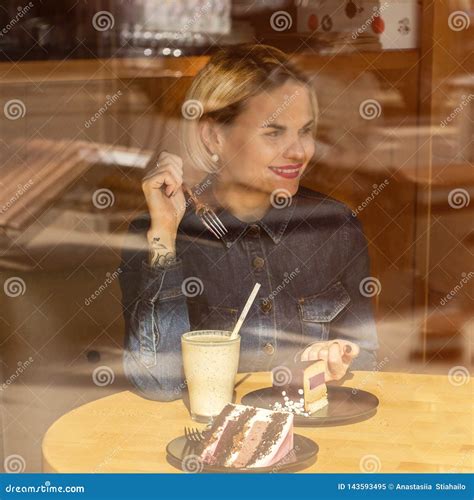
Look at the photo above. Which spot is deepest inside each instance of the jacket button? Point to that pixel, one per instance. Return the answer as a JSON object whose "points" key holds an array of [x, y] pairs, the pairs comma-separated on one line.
{"points": [[266, 306], [258, 262], [254, 230], [269, 349]]}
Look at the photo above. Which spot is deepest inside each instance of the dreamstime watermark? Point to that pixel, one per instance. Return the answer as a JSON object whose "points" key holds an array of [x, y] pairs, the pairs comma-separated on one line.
{"points": [[192, 286], [370, 287], [458, 375], [197, 190], [14, 464], [14, 109], [288, 99], [465, 278], [194, 19], [280, 198], [180, 387], [281, 376], [47, 487], [103, 198], [288, 459], [192, 109], [370, 109], [459, 20], [281, 20], [192, 464], [465, 100], [22, 366], [458, 198], [365, 380], [14, 287], [110, 100], [377, 189], [376, 13], [103, 375], [21, 11], [121, 412], [108, 458], [103, 20], [22, 189], [109, 279], [285, 281], [370, 463]]}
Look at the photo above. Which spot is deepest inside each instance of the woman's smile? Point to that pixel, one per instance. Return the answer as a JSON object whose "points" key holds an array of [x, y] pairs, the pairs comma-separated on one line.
{"points": [[287, 171]]}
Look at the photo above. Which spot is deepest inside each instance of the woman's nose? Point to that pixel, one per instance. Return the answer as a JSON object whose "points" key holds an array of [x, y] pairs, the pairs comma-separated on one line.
{"points": [[295, 151]]}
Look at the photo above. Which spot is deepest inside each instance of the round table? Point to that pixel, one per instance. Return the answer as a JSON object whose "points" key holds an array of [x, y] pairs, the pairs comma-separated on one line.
{"points": [[424, 423]]}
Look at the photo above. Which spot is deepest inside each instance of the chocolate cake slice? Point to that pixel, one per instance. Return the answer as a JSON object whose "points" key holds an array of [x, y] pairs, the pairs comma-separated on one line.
{"points": [[244, 436], [302, 387]]}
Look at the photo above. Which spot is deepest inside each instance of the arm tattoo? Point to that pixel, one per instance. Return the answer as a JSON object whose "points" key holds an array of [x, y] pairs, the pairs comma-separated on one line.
{"points": [[156, 245], [160, 255]]}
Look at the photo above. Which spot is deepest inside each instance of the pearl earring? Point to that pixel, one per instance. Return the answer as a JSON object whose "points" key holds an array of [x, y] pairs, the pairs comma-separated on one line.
{"points": [[215, 158]]}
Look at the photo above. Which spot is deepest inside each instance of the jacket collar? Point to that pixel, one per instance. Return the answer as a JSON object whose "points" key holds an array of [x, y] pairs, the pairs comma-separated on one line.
{"points": [[274, 222]]}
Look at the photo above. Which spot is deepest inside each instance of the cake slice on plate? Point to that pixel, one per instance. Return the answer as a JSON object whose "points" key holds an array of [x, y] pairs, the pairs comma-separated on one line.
{"points": [[245, 436], [302, 387]]}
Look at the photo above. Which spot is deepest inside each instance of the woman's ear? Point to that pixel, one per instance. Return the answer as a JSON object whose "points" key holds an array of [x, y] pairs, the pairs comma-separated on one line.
{"points": [[211, 136]]}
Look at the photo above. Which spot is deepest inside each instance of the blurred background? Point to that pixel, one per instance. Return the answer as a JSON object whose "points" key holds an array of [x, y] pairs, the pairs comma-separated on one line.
{"points": [[91, 92]]}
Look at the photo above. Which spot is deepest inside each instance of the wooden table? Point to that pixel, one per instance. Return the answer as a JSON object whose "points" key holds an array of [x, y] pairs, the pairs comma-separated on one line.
{"points": [[424, 424]]}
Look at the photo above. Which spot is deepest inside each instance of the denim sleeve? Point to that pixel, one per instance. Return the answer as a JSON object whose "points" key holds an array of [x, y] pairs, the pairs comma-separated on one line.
{"points": [[156, 314], [356, 323]]}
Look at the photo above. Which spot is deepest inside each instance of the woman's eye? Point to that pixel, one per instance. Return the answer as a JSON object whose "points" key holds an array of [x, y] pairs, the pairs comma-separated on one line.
{"points": [[307, 131], [275, 133]]}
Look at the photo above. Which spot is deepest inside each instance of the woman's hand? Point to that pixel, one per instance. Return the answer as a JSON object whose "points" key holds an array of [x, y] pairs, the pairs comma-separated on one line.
{"points": [[163, 193], [166, 204], [338, 355]]}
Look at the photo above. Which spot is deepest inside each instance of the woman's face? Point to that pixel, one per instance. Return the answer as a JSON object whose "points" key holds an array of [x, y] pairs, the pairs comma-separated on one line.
{"points": [[270, 143]]}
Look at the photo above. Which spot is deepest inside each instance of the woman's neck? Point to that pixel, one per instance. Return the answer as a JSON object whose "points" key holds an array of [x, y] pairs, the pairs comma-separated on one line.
{"points": [[244, 203]]}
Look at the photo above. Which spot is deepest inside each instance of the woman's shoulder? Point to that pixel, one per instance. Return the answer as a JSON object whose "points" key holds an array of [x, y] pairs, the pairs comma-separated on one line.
{"points": [[321, 210], [310, 198]]}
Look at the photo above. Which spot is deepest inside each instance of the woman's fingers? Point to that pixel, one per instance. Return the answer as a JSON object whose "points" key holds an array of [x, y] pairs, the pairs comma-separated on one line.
{"points": [[311, 353], [348, 349], [177, 176], [334, 353], [166, 157], [168, 175], [338, 355], [323, 353], [335, 364], [164, 178], [174, 164]]}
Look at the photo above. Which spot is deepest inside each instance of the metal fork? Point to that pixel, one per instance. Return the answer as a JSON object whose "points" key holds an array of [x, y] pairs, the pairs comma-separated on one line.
{"points": [[194, 435], [207, 215]]}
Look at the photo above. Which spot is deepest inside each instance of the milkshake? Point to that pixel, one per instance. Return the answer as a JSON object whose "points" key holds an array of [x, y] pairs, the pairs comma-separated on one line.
{"points": [[210, 359]]}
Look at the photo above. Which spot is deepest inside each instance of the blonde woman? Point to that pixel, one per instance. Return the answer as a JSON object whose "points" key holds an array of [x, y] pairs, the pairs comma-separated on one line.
{"points": [[254, 137]]}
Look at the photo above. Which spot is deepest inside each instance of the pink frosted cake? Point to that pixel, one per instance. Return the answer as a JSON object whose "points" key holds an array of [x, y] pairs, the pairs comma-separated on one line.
{"points": [[244, 436]]}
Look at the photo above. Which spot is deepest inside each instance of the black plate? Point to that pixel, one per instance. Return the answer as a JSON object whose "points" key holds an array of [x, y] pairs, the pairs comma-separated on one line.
{"points": [[185, 456], [346, 406]]}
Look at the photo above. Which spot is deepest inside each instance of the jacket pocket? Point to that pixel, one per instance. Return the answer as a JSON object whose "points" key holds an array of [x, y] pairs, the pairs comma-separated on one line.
{"points": [[205, 317], [317, 311]]}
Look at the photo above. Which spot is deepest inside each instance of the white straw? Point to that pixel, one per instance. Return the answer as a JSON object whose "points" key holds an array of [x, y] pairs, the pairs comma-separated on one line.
{"points": [[250, 300]]}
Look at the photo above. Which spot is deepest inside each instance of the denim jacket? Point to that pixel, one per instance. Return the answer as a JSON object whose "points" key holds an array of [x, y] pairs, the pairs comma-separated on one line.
{"points": [[309, 256]]}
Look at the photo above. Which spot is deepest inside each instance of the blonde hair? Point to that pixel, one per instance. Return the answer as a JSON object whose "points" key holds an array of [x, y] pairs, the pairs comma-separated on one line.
{"points": [[221, 89]]}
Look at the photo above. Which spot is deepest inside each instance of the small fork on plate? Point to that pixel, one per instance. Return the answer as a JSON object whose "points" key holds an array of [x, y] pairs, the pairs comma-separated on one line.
{"points": [[207, 215], [194, 435]]}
